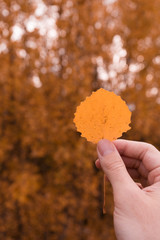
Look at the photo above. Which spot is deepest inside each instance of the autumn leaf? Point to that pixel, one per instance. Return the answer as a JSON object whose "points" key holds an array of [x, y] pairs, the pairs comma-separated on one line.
{"points": [[102, 115]]}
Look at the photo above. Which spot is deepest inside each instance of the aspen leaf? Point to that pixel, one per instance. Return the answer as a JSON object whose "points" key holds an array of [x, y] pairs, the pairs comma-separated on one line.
{"points": [[102, 115]]}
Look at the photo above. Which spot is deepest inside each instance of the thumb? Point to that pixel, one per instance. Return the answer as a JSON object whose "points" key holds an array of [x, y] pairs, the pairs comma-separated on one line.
{"points": [[114, 167]]}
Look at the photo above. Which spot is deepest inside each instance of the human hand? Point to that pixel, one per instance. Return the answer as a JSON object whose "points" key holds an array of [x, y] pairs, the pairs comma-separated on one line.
{"points": [[136, 211]]}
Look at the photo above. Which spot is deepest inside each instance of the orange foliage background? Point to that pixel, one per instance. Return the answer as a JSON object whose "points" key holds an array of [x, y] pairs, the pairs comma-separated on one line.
{"points": [[53, 54]]}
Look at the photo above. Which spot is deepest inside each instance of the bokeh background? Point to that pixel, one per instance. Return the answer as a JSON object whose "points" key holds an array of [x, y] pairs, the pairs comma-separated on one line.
{"points": [[53, 54]]}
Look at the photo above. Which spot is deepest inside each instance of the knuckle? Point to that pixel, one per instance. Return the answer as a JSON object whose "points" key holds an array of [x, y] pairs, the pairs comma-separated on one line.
{"points": [[147, 151]]}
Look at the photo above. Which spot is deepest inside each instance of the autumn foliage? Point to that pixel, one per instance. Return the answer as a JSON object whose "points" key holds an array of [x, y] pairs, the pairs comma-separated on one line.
{"points": [[53, 54]]}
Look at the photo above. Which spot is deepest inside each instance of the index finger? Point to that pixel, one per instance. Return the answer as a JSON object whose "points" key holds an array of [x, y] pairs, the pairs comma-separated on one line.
{"points": [[145, 152]]}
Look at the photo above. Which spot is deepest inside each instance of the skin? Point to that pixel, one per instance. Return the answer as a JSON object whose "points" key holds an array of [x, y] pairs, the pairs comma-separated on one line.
{"points": [[136, 206]]}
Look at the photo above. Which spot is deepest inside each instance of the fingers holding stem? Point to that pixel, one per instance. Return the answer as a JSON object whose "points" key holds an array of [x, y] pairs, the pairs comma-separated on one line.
{"points": [[141, 181]]}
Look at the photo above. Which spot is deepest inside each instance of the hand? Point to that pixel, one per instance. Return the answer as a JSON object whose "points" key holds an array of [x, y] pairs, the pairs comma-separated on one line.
{"points": [[136, 211]]}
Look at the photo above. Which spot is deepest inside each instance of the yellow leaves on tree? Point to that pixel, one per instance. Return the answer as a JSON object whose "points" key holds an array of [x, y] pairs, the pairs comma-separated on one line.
{"points": [[102, 115]]}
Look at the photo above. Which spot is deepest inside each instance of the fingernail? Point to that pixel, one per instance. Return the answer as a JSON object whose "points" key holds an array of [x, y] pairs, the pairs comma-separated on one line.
{"points": [[105, 147]]}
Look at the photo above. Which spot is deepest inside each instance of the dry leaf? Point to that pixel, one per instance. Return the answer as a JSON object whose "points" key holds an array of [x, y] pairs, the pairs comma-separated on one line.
{"points": [[102, 115]]}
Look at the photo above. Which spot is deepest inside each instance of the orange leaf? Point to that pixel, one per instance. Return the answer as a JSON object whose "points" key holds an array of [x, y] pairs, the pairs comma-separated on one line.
{"points": [[102, 115]]}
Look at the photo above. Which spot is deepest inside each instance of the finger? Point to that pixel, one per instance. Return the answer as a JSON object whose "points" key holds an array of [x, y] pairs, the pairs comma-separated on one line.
{"points": [[145, 152], [137, 177], [131, 165], [114, 168], [135, 164], [133, 149], [131, 162], [143, 171], [97, 163]]}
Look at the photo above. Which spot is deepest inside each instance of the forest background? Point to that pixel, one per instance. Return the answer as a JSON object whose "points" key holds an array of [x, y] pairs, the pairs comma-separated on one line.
{"points": [[53, 54]]}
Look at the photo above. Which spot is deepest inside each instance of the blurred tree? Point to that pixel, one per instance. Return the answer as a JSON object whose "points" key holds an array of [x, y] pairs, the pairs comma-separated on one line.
{"points": [[141, 42], [134, 69], [52, 187], [53, 54]]}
